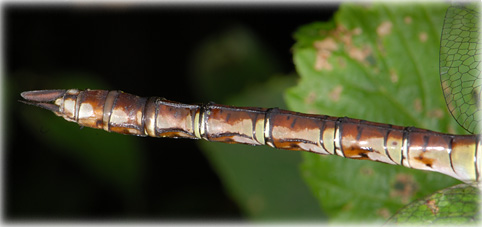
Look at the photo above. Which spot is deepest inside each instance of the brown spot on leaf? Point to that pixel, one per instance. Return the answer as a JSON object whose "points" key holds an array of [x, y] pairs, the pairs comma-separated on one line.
{"points": [[423, 36], [403, 187], [384, 213], [407, 20], [357, 31], [359, 54], [432, 205], [436, 113], [417, 105], [340, 36], [310, 98], [393, 76], [324, 49], [384, 28], [326, 44], [335, 93], [321, 61]]}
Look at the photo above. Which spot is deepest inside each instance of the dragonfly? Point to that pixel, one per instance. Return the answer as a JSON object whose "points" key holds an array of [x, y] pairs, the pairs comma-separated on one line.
{"points": [[49, 100], [455, 155]]}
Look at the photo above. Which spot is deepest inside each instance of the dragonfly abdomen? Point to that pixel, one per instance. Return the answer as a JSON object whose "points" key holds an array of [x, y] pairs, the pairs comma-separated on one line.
{"points": [[116, 111]]}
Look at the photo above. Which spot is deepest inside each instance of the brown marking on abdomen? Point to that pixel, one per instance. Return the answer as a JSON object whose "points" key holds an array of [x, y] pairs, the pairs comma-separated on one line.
{"points": [[354, 152], [427, 161], [364, 141]]}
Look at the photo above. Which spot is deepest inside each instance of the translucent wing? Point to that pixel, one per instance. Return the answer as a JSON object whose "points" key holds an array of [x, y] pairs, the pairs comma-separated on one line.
{"points": [[455, 205], [460, 58]]}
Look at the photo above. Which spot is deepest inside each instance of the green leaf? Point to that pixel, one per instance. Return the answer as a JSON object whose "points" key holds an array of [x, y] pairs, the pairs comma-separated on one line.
{"points": [[376, 62]]}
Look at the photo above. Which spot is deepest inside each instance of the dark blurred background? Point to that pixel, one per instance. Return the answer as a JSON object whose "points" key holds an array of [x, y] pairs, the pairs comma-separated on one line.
{"points": [[147, 50]]}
